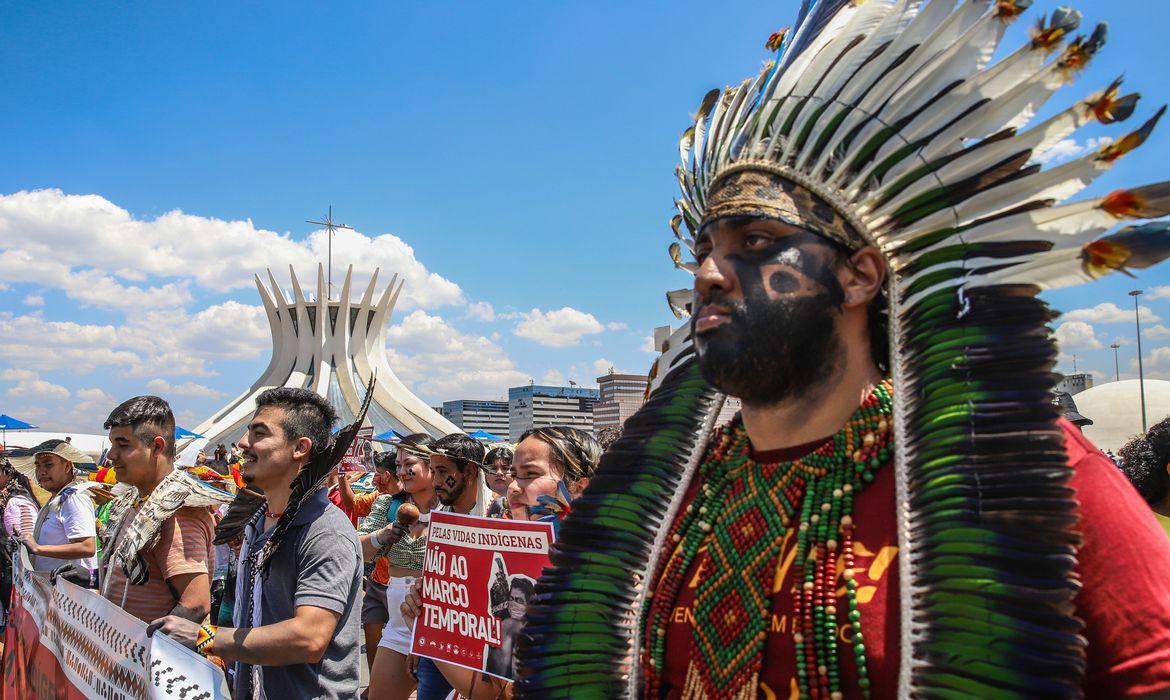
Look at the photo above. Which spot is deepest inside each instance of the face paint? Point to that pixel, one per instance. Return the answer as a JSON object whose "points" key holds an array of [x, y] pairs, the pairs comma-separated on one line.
{"points": [[451, 482], [779, 341]]}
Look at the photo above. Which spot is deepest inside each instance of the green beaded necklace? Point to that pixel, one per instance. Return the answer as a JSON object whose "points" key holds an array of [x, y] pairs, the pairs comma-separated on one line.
{"points": [[741, 513]]}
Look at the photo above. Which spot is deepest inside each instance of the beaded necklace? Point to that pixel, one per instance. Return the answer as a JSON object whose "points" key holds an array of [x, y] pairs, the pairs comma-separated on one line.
{"points": [[741, 513]]}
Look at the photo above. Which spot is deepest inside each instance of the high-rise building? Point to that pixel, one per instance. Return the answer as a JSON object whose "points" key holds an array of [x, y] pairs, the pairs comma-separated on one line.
{"points": [[537, 406], [472, 415], [621, 395]]}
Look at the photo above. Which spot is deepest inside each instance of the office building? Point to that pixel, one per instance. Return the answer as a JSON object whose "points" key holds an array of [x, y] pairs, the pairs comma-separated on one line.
{"points": [[472, 415], [1074, 384], [621, 395], [538, 406]]}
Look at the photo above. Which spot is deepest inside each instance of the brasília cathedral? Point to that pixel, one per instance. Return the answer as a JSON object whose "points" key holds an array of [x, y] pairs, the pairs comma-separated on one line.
{"points": [[334, 347]]}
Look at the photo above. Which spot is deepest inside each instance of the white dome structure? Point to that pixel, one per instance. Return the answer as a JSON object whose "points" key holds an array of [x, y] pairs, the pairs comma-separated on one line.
{"points": [[333, 347], [1116, 411]]}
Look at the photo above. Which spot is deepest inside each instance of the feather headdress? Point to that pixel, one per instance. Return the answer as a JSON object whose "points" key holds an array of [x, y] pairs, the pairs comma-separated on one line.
{"points": [[890, 112]]}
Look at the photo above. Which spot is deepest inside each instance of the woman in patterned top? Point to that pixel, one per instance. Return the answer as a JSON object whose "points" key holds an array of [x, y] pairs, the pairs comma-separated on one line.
{"points": [[390, 677]]}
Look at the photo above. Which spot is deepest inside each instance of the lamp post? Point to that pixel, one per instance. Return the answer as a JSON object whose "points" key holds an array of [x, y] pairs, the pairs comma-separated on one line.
{"points": [[1137, 320], [1116, 366]]}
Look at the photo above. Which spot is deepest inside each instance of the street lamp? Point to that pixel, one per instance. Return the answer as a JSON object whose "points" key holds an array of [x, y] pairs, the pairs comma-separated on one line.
{"points": [[1137, 320], [1116, 366]]}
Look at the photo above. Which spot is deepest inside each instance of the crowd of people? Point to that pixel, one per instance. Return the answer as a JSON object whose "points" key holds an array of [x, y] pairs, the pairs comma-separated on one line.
{"points": [[346, 574]]}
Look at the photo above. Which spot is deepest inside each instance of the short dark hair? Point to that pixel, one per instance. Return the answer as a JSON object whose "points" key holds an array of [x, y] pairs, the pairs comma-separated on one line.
{"points": [[148, 417], [385, 459], [306, 414], [525, 585], [1143, 460], [497, 454], [459, 448], [575, 451]]}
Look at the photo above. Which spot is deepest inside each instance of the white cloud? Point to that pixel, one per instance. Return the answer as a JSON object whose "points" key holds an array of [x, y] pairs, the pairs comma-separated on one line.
{"points": [[1076, 335], [12, 374], [1067, 149], [1161, 292], [150, 344], [94, 394], [38, 389], [87, 286], [78, 243], [561, 328], [602, 366], [648, 345], [553, 378], [163, 387], [33, 300], [616, 326], [1108, 312], [440, 362], [1156, 331], [481, 311], [1156, 364]]}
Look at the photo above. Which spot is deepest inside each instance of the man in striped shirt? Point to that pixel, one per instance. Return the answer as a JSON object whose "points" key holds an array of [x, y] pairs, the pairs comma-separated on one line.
{"points": [[172, 576]]}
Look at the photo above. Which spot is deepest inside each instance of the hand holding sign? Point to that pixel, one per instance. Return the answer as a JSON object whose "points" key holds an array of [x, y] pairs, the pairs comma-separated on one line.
{"points": [[478, 577]]}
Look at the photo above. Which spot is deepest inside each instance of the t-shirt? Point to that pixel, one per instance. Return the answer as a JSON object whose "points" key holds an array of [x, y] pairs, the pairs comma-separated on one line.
{"points": [[20, 513], [68, 516], [335, 499], [183, 547], [318, 563], [1127, 617]]}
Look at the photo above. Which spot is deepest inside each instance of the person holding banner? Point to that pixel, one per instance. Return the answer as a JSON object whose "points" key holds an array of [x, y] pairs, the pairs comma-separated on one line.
{"points": [[158, 559], [296, 608], [65, 531], [552, 465]]}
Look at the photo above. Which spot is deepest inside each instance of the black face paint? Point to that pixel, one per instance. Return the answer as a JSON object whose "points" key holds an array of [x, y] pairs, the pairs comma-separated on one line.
{"points": [[775, 348], [454, 489]]}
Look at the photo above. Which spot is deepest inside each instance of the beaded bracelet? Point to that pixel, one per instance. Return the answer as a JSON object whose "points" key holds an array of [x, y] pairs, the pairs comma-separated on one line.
{"points": [[206, 639]]}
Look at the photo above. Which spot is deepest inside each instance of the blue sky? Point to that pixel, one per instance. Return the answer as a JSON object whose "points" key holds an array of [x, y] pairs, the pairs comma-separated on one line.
{"points": [[513, 160]]}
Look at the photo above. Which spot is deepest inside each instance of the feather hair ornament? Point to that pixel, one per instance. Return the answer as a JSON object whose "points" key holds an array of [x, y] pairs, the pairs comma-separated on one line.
{"points": [[890, 112], [246, 508]]}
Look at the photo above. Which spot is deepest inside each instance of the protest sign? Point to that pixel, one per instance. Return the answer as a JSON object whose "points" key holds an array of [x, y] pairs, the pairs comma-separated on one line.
{"points": [[478, 577], [67, 643], [359, 452]]}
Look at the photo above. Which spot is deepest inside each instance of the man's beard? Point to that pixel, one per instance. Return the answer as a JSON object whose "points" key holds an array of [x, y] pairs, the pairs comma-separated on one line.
{"points": [[448, 497], [777, 350]]}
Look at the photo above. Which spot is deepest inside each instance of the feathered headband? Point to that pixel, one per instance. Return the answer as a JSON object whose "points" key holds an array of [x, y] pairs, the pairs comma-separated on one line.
{"points": [[888, 113]]}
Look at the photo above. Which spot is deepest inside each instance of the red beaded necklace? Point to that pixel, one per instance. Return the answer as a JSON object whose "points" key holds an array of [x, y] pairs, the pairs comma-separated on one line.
{"points": [[741, 513]]}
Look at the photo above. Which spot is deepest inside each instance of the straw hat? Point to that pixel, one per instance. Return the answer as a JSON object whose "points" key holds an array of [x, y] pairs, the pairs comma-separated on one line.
{"points": [[25, 460]]}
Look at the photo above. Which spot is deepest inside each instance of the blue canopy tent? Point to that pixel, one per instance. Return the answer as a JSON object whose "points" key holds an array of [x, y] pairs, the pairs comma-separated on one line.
{"points": [[486, 436], [7, 423]]}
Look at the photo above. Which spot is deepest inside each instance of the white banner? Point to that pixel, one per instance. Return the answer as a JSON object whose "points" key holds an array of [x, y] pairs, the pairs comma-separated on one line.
{"points": [[70, 642]]}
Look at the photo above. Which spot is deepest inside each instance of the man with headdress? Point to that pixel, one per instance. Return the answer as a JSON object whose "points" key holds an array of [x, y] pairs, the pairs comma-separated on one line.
{"points": [[898, 510], [158, 558], [296, 631]]}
